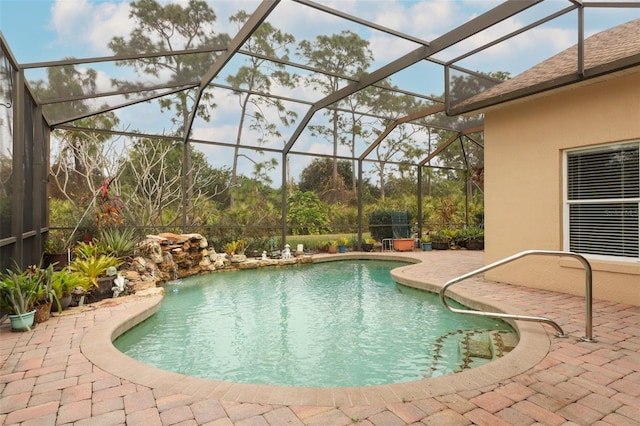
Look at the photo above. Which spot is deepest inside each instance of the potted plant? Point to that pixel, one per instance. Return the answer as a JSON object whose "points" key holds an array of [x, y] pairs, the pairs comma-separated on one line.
{"points": [[64, 282], [94, 268], [473, 238], [18, 294], [342, 244], [57, 250], [426, 243], [46, 294], [403, 244], [440, 239], [322, 246], [333, 247], [368, 243]]}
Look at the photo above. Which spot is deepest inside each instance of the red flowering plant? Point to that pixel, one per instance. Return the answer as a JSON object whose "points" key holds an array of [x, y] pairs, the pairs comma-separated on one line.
{"points": [[107, 212], [114, 240]]}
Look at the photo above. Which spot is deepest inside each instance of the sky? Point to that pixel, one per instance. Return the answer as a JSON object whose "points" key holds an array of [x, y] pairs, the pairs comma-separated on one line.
{"points": [[42, 30], [46, 30]]}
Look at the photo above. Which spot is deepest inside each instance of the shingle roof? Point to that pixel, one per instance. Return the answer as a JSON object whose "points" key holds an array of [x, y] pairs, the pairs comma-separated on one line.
{"points": [[604, 52]]}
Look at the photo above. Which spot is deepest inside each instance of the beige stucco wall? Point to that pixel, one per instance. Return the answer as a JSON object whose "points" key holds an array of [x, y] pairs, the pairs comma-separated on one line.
{"points": [[524, 143]]}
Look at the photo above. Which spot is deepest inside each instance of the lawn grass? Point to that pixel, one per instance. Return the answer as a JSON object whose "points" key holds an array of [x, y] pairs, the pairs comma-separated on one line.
{"points": [[311, 242]]}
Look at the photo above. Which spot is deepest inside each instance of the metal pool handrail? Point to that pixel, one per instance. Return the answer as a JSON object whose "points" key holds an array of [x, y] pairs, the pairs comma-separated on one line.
{"points": [[588, 292]]}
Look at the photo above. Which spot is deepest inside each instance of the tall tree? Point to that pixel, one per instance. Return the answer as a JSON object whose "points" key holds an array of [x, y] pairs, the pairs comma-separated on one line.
{"points": [[317, 177], [167, 28], [400, 143], [343, 54], [306, 214], [65, 81], [253, 82], [354, 127], [80, 159], [150, 178], [6, 144], [256, 211]]}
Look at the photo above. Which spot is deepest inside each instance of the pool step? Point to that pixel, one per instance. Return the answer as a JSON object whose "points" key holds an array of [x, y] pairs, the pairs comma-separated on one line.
{"points": [[481, 346], [476, 347]]}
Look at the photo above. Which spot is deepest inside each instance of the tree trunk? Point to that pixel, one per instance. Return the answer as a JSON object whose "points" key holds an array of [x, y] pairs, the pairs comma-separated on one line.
{"points": [[382, 182], [187, 177], [236, 151], [334, 174]]}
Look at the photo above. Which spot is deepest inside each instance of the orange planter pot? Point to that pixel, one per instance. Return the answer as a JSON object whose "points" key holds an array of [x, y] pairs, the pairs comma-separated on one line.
{"points": [[403, 244]]}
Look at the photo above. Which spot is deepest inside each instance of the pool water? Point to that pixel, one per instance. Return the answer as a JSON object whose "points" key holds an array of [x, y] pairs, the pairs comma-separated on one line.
{"points": [[344, 323]]}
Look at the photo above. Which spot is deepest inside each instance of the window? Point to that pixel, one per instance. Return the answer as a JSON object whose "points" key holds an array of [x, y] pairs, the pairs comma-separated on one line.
{"points": [[602, 201]]}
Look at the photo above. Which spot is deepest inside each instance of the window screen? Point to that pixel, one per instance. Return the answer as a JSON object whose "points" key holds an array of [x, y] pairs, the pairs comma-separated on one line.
{"points": [[603, 195]]}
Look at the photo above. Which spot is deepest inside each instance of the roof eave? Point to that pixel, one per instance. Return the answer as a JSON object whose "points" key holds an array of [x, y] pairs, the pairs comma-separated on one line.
{"points": [[561, 81]]}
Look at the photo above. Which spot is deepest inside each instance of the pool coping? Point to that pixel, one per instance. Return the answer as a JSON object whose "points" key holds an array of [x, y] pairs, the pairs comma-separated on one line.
{"points": [[533, 346]]}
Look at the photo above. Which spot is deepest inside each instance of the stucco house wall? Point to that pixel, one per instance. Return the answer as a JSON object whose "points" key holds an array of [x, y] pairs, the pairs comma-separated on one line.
{"points": [[524, 145]]}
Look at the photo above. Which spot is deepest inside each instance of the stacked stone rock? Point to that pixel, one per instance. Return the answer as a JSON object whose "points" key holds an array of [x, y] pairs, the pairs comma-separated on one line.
{"points": [[165, 257], [180, 255]]}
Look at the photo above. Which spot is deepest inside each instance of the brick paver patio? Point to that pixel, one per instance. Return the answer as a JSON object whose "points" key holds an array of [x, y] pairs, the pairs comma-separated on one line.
{"points": [[65, 371]]}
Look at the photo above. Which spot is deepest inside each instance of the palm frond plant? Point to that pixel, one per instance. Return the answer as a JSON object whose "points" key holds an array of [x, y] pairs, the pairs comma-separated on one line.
{"points": [[230, 248], [241, 246], [87, 249], [117, 242], [93, 267]]}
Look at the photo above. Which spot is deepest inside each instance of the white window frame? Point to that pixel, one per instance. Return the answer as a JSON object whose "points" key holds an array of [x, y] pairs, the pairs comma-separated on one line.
{"points": [[567, 203]]}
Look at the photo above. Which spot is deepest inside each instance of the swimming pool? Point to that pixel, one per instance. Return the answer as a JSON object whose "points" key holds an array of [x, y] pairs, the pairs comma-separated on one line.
{"points": [[340, 323]]}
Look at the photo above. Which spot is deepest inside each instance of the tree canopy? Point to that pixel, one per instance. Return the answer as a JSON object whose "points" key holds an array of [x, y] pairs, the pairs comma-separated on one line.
{"points": [[164, 180]]}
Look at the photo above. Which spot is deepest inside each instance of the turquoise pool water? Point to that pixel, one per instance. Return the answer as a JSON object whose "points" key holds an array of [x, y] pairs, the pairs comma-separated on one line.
{"points": [[344, 323]]}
